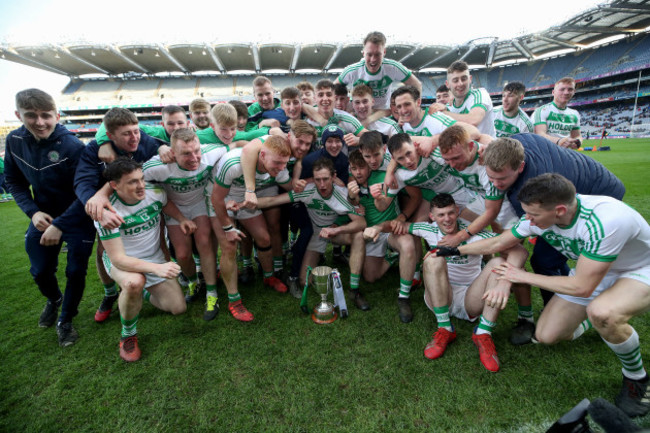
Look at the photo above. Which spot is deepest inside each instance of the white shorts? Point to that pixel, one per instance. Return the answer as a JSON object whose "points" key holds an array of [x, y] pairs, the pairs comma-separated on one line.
{"points": [[242, 214], [466, 198], [641, 274], [316, 243], [507, 216], [457, 307], [151, 279], [190, 211], [378, 248]]}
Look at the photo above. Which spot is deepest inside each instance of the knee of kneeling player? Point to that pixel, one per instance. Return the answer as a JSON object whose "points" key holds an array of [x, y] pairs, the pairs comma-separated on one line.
{"points": [[434, 264], [603, 316], [134, 284]]}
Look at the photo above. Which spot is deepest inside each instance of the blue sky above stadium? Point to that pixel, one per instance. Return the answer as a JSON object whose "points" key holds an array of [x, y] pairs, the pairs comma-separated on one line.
{"points": [[45, 22]]}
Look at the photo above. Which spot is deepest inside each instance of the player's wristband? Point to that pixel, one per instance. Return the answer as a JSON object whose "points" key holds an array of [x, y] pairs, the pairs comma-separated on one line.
{"points": [[468, 232], [252, 191], [558, 141], [227, 228], [447, 251], [405, 216]]}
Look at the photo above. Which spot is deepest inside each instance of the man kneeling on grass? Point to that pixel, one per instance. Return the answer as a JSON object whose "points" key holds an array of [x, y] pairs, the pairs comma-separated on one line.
{"points": [[133, 256], [458, 287]]}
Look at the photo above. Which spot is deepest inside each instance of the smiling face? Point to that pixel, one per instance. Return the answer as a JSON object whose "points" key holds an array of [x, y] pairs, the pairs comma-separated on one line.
{"points": [[459, 83], [325, 101], [408, 108], [264, 95], [300, 145], [40, 123], [272, 162], [446, 218], [333, 146], [563, 92], [292, 108], [510, 102], [187, 154], [172, 122], [362, 105], [126, 138], [131, 187], [374, 56], [201, 118], [307, 97]]}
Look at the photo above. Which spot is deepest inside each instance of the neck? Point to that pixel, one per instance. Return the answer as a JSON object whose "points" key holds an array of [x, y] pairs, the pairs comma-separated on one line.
{"points": [[512, 112], [559, 105], [260, 166]]}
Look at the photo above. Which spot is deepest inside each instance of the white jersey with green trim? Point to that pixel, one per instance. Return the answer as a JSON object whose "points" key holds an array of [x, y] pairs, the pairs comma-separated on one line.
{"points": [[230, 174], [323, 211], [506, 126], [559, 121], [430, 174], [380, 82], [474, 177], [461, 270], [386, 126], [140, 231], [604, 229], [477, 98], [185, 187], [430, 125], [344, 120]]}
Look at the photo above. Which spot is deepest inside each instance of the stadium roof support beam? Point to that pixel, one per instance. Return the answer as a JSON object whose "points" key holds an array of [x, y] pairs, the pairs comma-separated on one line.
{"points": [[296, 56], [118, 53], [85, 62], [256, 58], [411, 53], [464, 56], [521, 47], [556, 41], [34, 62], [593, 29], [625, 8], [216, 59], [339, 47], [490, 57], [166, 53], [439, 57]]}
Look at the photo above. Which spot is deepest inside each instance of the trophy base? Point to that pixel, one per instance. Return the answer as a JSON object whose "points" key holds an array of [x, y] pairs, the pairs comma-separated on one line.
{"points": [[323, 316]]}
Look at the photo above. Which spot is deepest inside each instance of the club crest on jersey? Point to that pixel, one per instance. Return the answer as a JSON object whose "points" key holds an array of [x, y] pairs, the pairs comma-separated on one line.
{"points": [[53, 156]]}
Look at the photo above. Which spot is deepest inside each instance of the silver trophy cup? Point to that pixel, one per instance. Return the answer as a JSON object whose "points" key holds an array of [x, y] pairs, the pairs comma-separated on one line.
{"points": [[321, 279]]}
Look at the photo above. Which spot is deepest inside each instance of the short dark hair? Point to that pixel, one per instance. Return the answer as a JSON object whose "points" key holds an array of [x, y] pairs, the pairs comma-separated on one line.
{"points": [[340, 89], [548, 190], [515, 87], [371, 140], [324, 84], [172, 109], [117, 117], [396, 142], [323, 162], [356, 158], [457, 66], [290, 93], [240, 107], [34, 99], [119, 167], [415, 93], [376, 38], [442, 200], [442, 88]]}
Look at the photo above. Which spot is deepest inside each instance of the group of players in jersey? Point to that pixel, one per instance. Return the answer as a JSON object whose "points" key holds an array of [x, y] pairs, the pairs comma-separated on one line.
{"points": [[375, 172]]}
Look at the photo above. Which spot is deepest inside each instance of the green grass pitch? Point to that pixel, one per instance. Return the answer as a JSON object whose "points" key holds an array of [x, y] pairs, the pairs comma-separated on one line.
{"points": [[283, 373]]}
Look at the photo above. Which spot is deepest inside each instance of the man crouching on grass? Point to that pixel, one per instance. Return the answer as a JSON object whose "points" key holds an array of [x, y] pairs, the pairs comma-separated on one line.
{"points": [[133, 256]]}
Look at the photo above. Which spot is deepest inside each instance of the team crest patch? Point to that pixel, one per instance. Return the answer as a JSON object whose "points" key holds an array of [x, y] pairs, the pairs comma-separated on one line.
{"points": [[53, 156]]}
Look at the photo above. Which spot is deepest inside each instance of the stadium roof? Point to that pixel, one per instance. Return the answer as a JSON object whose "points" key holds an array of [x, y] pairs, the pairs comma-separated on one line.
{"points": [[614, 18]]}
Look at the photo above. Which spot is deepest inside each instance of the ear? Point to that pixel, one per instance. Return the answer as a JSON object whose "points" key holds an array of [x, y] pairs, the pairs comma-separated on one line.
{"points": [[561, 210], [18, 116], [521, 167], [113, 184]]}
